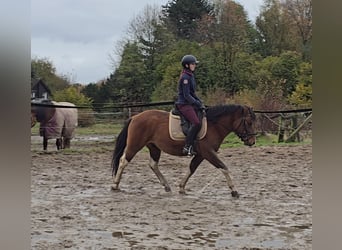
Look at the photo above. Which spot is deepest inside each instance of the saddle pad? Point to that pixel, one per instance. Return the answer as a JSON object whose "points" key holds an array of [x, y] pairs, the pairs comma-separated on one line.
{"points": [[175, 129]]}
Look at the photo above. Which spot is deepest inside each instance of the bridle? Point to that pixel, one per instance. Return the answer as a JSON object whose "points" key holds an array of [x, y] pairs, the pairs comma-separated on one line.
{"points": [[246, 135]]}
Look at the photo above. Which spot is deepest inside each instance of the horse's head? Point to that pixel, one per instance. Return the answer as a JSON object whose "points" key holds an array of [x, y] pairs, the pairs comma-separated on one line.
{"points": [[40, 113], [245, 128]]}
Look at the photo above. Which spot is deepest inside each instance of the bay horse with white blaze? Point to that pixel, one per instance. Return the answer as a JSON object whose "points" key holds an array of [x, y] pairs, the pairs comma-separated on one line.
{"points": [[150, 129]]}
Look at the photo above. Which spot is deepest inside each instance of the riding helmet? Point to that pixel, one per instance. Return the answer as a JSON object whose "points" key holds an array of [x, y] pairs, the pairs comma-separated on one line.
{"points": [[188, 59]]}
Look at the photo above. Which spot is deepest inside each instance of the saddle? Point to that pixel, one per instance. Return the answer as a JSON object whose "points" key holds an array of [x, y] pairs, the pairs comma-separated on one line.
{"points": [[179, 126]]}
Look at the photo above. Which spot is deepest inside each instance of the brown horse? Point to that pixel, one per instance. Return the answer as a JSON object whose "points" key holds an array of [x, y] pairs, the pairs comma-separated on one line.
{"points": [[55, 122], [150, 129]]}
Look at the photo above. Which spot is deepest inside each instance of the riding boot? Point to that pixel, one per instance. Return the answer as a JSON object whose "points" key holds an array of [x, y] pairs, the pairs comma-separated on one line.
{"points": [[190, 139]]}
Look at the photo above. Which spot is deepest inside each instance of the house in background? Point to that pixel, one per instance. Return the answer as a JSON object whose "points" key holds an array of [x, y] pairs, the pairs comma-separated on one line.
{"points": [[39, 89]]}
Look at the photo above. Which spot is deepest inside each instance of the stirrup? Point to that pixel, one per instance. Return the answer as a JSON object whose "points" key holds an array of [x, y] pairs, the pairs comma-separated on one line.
{"points": [[189, 150]]}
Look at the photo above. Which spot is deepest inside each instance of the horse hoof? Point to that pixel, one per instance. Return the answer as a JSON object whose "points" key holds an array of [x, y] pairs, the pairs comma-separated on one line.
{"points": [[167, 189], [235, 194], [114, 189]]}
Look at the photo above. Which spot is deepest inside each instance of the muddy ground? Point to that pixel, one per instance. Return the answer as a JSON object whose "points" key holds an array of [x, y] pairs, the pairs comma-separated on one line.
{"points": [[73, 206]]}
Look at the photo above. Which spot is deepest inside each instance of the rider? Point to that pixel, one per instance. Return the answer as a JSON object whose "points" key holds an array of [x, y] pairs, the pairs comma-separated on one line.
{"points": [[188, 103]]}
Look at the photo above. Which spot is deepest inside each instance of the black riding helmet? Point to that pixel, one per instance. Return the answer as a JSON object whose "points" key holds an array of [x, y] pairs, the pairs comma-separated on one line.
{"points": [[188, 59]]}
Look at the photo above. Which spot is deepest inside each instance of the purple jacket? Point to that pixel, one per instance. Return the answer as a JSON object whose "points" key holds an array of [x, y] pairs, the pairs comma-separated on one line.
{"points": [[187, 88]]}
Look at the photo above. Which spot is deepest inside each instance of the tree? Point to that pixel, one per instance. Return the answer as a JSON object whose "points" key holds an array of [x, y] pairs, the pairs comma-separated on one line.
{"points": [[72, 94], [152, 39], [269, 90], [170, 68], [45, 70], [227, 37], [287, 68], [128, 82], [302, 95], [274, 26], [282, 70], [182, 16], [300, 12], [98, 93]]}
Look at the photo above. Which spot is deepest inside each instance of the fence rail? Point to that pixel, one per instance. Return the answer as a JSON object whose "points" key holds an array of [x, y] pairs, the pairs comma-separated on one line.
{"points": [[291, 124]]}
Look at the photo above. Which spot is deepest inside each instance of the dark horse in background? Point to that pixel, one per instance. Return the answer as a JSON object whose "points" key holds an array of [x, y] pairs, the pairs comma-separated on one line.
{"points": [[56, 122], [150, 129]]}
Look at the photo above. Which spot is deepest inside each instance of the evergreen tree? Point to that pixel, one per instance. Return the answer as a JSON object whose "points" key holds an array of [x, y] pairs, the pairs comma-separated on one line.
{"points": [[128, 83], [182, 16]]}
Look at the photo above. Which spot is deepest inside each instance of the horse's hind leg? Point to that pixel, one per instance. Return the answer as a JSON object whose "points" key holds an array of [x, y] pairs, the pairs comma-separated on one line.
{"points": [[154, 160], [122, 164], [59, 143], [66, 142], [195, 162], [132, 147]]}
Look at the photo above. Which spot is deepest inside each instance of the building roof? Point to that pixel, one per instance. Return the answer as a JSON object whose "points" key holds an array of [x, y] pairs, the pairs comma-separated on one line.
{"points": [[36, 83]]}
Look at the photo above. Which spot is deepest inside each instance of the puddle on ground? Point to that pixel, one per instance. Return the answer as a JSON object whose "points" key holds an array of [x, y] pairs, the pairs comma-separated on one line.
{"points": [[231, 243], [270, 243]]}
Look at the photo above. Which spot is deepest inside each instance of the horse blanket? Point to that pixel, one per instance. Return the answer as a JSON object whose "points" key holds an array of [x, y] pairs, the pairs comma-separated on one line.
{"points": [[61, 124], [175, 128]]}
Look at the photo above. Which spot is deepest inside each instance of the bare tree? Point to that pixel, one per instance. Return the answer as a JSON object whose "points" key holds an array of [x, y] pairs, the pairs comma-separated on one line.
{"points": [[301, 12], [141, 30]]}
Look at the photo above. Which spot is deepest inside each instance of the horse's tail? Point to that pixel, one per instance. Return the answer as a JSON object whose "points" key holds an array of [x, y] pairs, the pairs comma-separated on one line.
{"points": [[121, 142]]}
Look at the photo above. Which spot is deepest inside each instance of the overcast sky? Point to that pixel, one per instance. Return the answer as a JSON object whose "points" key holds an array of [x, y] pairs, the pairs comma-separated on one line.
{"points": [[78, 36]]}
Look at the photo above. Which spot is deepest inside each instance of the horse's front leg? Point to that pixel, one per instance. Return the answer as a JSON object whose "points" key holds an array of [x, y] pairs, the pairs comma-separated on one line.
{"points": [[195, 162], [234, 192], [213, 159], [45, 142]]}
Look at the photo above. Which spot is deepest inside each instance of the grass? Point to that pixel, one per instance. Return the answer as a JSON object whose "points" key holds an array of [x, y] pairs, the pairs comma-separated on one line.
{"points": [[100, 129], [96, 129], [233, 140]]}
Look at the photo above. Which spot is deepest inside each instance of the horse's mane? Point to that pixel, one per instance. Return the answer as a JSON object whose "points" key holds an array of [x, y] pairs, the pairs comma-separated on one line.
{"points": [[215, 112]]}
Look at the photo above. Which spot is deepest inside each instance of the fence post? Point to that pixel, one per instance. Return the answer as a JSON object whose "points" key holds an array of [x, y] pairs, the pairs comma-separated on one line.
{"points": [[281, 131], [129, 112], [299, 128]]}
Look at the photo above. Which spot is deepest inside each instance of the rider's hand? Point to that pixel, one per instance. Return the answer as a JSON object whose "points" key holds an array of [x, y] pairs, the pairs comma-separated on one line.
{"points": [[203, 108]]}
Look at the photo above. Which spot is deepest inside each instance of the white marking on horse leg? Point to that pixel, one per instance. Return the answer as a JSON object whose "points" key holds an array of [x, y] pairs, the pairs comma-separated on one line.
{"points": [[229, 179], [122, 164], [184, 181], [162, 180]]}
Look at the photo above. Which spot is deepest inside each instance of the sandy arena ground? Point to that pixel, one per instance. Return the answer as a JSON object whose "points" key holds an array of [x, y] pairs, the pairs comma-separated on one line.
{"points": [[73, 207]]}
